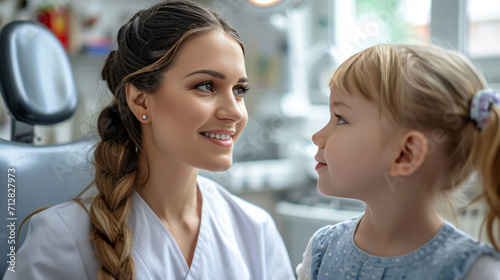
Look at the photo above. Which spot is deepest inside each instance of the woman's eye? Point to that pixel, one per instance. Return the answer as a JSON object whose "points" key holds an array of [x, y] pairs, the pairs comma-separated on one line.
{"points": [[340, 119], [240, 91], [206, 86]]}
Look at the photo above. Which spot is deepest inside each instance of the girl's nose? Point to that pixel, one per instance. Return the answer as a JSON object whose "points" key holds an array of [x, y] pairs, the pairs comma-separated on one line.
{"points": [[319, 138]]}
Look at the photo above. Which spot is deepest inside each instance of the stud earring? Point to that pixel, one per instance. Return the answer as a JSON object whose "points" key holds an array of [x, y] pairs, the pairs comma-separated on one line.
{"points": [[144, 117]]}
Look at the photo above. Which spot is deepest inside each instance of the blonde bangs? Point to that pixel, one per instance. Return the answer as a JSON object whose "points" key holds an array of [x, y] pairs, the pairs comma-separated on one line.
{"points": [[374, 75], [351, 77]]}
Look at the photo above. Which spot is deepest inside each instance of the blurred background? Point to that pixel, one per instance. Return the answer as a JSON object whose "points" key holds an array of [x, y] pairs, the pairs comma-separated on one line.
{"points": [[292, 49]]}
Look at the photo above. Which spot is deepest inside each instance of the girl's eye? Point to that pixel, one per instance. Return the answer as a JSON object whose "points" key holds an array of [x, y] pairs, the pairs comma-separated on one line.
{"points": [[240, 91], [206, 86], [340, 120]]}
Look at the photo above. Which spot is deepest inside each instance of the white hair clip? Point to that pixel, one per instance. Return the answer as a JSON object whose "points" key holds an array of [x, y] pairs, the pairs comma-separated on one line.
{"points": [[480, 106]]}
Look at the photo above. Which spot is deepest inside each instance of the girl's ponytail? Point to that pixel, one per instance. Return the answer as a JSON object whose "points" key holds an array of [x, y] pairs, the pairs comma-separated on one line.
{"points": [[487, 160]]}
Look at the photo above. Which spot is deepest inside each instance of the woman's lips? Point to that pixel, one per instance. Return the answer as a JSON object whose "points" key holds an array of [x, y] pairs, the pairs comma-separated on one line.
{"points": [[223, 138], [220, 142]]}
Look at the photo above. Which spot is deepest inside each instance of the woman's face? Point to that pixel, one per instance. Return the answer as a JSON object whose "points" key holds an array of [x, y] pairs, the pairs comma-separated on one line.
{"points": [[199, 111]]}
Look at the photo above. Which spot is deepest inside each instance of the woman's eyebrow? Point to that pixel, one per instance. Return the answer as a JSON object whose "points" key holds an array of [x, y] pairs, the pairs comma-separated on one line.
{"points": [[213, 73], [216, 74]]}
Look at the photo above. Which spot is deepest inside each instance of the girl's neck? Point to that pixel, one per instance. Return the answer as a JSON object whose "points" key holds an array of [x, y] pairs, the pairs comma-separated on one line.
{"points": [[396, 228]]}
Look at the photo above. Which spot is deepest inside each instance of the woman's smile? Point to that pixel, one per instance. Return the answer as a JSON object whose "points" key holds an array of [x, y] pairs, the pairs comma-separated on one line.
{"points": [[222, 138]]}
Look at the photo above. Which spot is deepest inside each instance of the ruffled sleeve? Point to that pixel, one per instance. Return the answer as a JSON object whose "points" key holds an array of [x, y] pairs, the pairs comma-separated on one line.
{"points": [[472, 260], [303, 269], [308, 269], [484, 268]]}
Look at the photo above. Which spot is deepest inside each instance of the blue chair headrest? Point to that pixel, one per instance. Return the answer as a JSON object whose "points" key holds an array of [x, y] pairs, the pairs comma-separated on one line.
{"points": [[35, 75]]}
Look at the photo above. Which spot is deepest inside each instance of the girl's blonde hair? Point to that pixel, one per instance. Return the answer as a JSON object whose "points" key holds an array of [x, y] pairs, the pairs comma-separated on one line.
{"points": [[430, 88]]}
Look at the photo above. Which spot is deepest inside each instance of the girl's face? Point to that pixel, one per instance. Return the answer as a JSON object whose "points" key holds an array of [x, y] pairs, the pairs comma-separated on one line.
{"points": [[199, 111], [354, 153]]}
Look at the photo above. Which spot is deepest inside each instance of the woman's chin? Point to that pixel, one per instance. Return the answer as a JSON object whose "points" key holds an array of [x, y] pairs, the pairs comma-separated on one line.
{"points": [[219, 166]]}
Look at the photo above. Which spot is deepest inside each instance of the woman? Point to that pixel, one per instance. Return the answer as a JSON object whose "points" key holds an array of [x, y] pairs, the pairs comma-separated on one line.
{"points": [[178, 80]]}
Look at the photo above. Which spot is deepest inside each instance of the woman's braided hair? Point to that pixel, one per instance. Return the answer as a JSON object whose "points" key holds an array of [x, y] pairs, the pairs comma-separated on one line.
{"points": [[147, 45]]}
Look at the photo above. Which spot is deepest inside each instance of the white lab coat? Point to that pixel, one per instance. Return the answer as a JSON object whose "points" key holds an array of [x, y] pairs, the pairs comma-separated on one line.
{"points": [[237, 240]]}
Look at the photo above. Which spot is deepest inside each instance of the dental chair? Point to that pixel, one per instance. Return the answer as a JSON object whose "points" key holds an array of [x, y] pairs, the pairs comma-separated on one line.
{"points": [[38, 88]]}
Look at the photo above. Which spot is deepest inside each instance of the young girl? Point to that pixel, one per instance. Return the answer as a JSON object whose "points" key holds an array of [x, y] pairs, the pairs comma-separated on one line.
{"points": [[407, 123], [178, 81]]}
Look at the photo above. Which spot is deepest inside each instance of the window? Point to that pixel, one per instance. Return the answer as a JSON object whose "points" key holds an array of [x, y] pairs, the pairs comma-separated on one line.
{"points": [[467, 26], [483, 28], [472, 27], [363, 23], [354, 25]]}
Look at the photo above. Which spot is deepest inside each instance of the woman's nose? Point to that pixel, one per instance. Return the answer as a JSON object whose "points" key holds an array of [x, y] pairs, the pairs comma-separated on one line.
{"points": [[230, 108]]}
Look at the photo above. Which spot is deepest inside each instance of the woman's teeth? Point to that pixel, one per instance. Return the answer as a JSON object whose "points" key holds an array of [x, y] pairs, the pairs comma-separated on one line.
{"points": [[217, 136]]}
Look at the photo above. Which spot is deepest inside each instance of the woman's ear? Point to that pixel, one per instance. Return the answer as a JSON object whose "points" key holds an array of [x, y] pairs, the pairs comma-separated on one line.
{"points": [[412, 154], [137, 101]]}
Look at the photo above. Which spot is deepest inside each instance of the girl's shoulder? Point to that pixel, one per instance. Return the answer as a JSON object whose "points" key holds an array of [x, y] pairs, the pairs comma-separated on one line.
{"points": [[459, 252], [318, 244], [459, 244], [336, 232]]}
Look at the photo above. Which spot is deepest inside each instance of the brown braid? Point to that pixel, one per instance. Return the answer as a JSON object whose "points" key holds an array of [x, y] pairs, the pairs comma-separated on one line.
{"points": [[116, 164], [147, 45]]}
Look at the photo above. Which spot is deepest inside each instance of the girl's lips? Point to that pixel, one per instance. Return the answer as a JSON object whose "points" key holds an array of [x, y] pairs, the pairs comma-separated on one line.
{"points": [[319, 165]]}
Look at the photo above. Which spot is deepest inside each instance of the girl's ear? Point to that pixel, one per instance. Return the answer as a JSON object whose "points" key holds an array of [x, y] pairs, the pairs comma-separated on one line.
{"points": [[138, 103], [412, 154]]}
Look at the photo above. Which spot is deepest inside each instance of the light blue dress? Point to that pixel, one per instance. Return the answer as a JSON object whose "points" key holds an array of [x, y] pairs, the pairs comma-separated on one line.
{"points": [[448, 256]]}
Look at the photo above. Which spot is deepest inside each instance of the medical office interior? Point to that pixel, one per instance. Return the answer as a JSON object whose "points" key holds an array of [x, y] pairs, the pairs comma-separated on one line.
{"points": [[292, 49]]}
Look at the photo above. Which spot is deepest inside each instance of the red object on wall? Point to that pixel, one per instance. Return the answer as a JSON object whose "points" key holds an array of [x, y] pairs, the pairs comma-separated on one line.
{"points": [[56, 19]]}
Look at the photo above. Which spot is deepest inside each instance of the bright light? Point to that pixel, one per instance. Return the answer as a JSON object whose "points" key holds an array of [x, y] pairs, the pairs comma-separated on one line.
{"points": [[264, 3]]}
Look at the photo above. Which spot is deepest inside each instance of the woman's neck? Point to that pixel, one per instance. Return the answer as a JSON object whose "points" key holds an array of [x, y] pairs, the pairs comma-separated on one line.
{"points": [[397, 227], [171, 190]]}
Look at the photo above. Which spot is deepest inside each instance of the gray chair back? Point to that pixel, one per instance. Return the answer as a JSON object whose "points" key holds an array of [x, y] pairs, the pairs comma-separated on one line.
{"points": [[38, 88]]}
